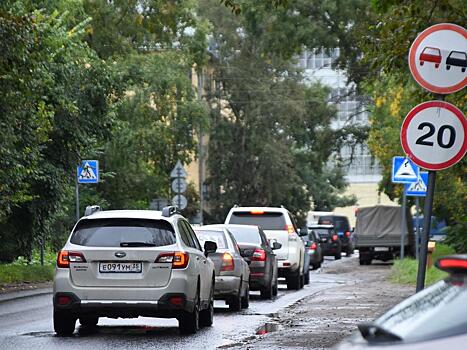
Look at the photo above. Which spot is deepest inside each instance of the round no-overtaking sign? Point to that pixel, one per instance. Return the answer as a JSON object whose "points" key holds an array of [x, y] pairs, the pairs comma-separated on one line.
{"points": [[434, 135]]}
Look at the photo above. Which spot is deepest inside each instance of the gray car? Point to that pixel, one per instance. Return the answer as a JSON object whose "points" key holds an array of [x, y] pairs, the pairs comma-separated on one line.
{"points": [[432, 319], [232, 271]]}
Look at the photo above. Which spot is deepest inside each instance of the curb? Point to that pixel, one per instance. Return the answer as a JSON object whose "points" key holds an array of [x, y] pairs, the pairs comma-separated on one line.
{"points": [[24, 294]]}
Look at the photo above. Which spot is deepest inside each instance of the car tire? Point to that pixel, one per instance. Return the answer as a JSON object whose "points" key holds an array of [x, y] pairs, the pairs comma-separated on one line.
{"points": [[307, 277], [89, 321], [338, 255], [206, 317], [302, 280], [293, 281], [275, 288], [189, 321], [235, 301], [64, 323], [266, 292], [246, 298], [349, 251]]}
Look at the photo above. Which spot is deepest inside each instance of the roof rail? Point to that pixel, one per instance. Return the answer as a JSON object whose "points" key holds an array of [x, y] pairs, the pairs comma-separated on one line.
{"points": [[235, 206], [91, 209], [169, 211]]}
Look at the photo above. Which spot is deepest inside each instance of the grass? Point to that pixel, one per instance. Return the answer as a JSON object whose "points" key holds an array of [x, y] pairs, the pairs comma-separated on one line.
{"points": [[22, 270], [405, 271]]}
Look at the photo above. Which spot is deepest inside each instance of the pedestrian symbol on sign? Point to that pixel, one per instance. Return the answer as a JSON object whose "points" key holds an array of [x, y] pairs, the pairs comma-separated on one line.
{"points": [[88, 172]]}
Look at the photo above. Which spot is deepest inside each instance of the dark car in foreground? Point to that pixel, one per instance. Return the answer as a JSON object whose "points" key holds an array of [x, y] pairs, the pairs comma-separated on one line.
{"points": [[232, 271], [433, 319], [331, 244], [258, 253]]}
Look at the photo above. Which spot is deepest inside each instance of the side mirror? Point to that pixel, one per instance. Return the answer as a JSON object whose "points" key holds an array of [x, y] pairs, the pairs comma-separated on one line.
{"points": [[209, 247], [303, 232], [276, 245]]}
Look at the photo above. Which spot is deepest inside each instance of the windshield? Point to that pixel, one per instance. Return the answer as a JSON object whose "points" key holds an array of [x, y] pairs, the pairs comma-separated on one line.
{"points": [[214, 236], [245, 234], [113, 232], [437, 311], [267, 220]]}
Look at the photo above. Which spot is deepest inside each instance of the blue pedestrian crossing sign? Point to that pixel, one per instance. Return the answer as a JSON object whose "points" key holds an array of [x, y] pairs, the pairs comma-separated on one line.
{"points": [[404, 170], [88, 172], [418, 188]]}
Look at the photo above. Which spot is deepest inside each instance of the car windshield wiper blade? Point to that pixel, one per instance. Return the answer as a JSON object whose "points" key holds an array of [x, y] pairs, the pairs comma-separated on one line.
{"points": [[137, 244], [374, 333]]}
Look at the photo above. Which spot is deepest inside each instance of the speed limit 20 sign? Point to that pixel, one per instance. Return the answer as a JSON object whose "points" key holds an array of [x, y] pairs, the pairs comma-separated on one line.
{"points": [[434, 135]]}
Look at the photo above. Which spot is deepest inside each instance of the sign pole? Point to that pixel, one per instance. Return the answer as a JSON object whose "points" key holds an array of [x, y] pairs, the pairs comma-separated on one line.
{"points": [[404, 223], [417, 231], [77, 200], [426, 230]]}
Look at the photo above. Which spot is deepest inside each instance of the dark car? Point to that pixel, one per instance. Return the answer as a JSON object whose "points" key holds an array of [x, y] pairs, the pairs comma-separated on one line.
{"points": [[432, 319], [342, 227], [232, 271], [303, 233], [258, 253], [314, 250], [458, 59], [329, 240]]}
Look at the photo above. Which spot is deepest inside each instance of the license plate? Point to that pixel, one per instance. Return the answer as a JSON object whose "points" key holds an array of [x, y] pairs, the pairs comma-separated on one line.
{"points": [[324, 239], [381, 249], [120, 267]]}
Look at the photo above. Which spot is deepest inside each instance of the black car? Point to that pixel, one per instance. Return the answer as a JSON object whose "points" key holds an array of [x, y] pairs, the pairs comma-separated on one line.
{"points": [[312, 248], [342, 227], [329, 239], [458, 59], [258, 253]]}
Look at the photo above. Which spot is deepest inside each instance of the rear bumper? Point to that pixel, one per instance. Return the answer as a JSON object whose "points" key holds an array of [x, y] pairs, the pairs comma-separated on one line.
{"points": [[330, 248], [163, 307], [226, 286]]}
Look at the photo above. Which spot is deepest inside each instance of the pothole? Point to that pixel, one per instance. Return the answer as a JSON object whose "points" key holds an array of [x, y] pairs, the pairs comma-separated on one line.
{"points": [[268, 327]]}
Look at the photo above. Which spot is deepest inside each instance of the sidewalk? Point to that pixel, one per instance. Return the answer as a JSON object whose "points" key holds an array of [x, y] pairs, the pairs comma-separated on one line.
{"points": [[12, 292]]}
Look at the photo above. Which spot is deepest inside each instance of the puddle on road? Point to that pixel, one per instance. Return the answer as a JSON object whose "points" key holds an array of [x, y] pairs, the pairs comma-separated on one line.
{"points": [[268, 327]]}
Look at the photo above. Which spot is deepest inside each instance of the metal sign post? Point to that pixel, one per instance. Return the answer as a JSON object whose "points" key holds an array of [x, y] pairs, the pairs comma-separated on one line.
{"points": [[87, 173], [404, 223]]}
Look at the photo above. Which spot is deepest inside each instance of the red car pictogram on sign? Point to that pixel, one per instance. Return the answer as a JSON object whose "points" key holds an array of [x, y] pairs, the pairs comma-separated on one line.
{"points": [[431, 54]]}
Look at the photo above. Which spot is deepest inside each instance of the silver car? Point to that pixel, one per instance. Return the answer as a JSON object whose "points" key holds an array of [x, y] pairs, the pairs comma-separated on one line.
{"points": [[433, 319], [130, 263], [232, 271]]}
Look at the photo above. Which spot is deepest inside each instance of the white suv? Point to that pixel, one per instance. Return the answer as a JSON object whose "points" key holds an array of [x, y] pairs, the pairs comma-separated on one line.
{"points": [[130, 263], [278, 225]]}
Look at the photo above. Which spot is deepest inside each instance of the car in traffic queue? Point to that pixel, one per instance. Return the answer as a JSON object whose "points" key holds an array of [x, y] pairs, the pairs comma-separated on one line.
{"points": [[303, 233], [313, 249], [131, 263], [342, 226], [278, 225], [232, 271], [259, 254], [329, 239], [434, 318]]}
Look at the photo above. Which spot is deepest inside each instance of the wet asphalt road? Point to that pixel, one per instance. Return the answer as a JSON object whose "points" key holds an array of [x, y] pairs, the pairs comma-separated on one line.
{"points": [[26, 323]]}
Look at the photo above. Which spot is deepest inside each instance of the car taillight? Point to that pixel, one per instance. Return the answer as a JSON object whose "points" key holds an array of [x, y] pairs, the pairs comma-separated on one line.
{"points": [[289, 228], [452, 264], [65, 257], [313, 246], [227, 262], [179, 260], [334, 237], [347, 233], [257, 212], [259, 255]]}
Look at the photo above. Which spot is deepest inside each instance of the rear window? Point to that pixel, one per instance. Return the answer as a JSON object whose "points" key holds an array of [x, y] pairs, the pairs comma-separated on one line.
{"points": [[113, 232], [215, 236], [267, 220], [246, 234], [341, 224], [322, 231]]}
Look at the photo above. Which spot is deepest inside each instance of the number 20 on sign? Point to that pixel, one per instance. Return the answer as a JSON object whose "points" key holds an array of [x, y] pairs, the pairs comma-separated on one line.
{"points": [[434, 135]]}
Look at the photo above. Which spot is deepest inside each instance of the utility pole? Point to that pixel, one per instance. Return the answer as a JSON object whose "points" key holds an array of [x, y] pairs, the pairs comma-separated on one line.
{"points": [[201, 152]]}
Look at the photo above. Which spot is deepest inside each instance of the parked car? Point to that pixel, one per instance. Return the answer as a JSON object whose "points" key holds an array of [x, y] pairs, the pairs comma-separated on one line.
{"points": [[314, 250], [430, 54], [329, 239], [232, 271], [306, 266], [342, 227], [438, 230], [258, 253], [432, 319], [130, 263], [278, 225], [457, 59]]}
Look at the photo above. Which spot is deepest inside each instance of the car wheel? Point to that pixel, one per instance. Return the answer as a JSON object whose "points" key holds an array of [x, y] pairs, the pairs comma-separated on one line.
{"points": [[338, 255], [246, 298], [266, 292], [275, 288], [293, 281], [307, 277], [235, 301], [64, 323], [349, 251], [189, 321], [89, 321], [447, 67], [206, 317]]}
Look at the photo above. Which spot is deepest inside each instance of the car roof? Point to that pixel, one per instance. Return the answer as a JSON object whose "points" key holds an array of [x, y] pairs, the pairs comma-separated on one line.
{"points": [[129, 214], [270, 209], [232, 226]]}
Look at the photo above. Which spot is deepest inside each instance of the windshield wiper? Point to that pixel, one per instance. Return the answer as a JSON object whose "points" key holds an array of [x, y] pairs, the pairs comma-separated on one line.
{"points": [[374, 333], [137, 244]]}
